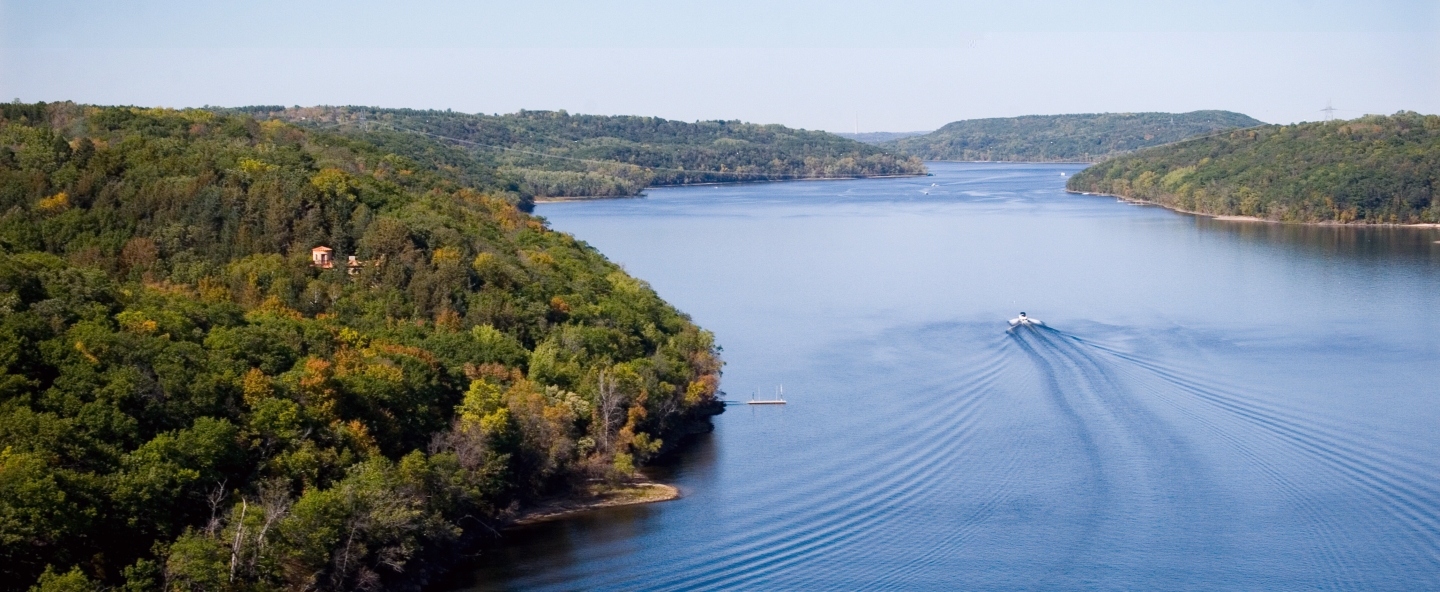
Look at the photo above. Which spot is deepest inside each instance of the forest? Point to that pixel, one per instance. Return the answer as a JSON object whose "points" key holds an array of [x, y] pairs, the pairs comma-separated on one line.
{"points": [[1086, 137], [1375, 169], [195, 396], [557, 154]]}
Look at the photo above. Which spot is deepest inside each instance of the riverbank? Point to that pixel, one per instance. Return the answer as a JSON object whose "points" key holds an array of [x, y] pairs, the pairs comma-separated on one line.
{"points": [[1230, 218], [540, 200], [596, 496]]}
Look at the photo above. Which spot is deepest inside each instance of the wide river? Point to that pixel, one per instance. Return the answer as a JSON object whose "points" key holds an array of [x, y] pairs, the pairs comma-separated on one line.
{"points": [[1211, 404]]}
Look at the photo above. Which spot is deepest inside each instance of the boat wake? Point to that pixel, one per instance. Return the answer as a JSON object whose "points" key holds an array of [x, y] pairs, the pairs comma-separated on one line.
{"points": [[1167, 453]]}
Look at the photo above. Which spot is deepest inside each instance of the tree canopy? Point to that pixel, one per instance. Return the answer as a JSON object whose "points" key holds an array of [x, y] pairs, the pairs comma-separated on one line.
{"points": [[1084, 137], [1375, 169], [188, 401]]}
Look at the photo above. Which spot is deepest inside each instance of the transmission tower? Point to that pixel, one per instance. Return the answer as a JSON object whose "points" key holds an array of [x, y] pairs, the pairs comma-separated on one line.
{"points": [[1329, 111]]}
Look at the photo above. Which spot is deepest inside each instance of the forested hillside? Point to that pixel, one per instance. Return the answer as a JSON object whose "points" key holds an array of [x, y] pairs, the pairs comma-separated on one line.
{"points": [[1063, 138], [556, 154], [189, 402], [1375, 169]]}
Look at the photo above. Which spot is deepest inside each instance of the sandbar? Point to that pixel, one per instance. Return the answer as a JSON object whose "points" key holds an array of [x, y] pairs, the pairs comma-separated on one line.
{"points": [[596, 496]]}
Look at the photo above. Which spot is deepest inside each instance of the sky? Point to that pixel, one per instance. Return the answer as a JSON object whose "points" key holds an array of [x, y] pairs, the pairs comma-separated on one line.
{"points": [[837, 65]]}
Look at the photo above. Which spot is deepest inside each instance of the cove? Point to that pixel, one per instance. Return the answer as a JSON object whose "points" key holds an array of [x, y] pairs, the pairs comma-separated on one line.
{"points": [[1212, 404]]}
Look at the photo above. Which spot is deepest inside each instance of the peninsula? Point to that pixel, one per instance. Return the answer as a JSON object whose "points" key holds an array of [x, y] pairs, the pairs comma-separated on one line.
{"points": [[555, 154]]}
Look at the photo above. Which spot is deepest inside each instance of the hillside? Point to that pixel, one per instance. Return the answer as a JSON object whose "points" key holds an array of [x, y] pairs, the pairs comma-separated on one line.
{"points": [[188, 399], [1375, 169], [878, 137], [556, 154], [1062, 138]]}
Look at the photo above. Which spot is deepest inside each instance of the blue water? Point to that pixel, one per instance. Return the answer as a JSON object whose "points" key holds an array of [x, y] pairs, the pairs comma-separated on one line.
{"points": [[1213, 404]]}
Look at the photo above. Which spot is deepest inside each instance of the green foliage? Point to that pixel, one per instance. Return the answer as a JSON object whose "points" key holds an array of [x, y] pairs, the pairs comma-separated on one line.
{"points": [[186, 399], [556, 154], [1375, 169], [155, 483], [1063, 138], [71, 581]]}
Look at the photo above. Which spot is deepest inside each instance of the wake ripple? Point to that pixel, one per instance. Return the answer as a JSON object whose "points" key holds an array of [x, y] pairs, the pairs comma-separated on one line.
{"points": [[1386, 474], [842, 511]]}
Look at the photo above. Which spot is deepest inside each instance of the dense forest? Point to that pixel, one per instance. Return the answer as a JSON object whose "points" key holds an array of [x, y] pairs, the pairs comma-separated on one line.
{"points": [[1063, 138], [1375, 169], [192, 397], [556, 154]]}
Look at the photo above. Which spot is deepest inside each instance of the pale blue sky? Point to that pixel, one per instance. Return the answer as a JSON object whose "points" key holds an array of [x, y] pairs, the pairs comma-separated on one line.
{"points": [[897, 65]]}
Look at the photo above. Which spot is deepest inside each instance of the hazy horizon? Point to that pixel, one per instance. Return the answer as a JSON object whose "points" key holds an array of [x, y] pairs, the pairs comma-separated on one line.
{"points": [[830, 66]]}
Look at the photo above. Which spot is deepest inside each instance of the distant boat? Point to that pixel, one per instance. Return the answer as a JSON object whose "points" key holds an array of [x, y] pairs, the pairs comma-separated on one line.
{"points": [[1024, 320], [778, 400]]}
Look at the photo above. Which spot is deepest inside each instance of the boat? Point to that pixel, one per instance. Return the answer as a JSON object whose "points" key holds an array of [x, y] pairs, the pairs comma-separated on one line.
{"points": [[1024, 320], [778, 400]]}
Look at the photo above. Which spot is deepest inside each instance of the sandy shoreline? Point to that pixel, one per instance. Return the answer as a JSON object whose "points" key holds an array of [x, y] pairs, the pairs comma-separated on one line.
{"points": [[1254, 218], [597, 496]]}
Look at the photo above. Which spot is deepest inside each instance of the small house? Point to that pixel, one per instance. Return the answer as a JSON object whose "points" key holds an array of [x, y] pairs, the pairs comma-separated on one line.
{"points": [[322, 257]]}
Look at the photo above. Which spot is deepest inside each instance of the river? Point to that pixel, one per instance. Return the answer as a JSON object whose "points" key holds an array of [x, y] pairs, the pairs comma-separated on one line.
{"points": [[1212, 404]]}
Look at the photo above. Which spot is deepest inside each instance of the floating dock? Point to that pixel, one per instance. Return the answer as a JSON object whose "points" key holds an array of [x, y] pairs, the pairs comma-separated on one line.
{"points": [[778, 400]]}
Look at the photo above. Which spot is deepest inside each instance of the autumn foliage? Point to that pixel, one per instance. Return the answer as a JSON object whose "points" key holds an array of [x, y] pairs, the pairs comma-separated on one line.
{"points": [[187, 403]]}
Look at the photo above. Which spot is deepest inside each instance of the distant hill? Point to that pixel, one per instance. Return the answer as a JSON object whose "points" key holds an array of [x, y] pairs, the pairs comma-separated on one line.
{"points": [[878, 137], [1375, 169], [557, 154], [1085, 137]]}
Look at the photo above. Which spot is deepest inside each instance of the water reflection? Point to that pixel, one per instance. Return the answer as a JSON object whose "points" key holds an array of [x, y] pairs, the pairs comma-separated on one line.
{"points": [[1387, 243]]}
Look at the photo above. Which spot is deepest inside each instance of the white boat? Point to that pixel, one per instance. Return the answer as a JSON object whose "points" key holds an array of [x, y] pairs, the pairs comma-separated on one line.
{"points": [[1024, 320]]}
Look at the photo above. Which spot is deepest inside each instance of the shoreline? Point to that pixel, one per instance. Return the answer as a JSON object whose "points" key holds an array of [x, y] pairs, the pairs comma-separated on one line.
{"points": [[540, 200], [1020, 161], [1231, 218], [597, 494], [593, 497]]}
